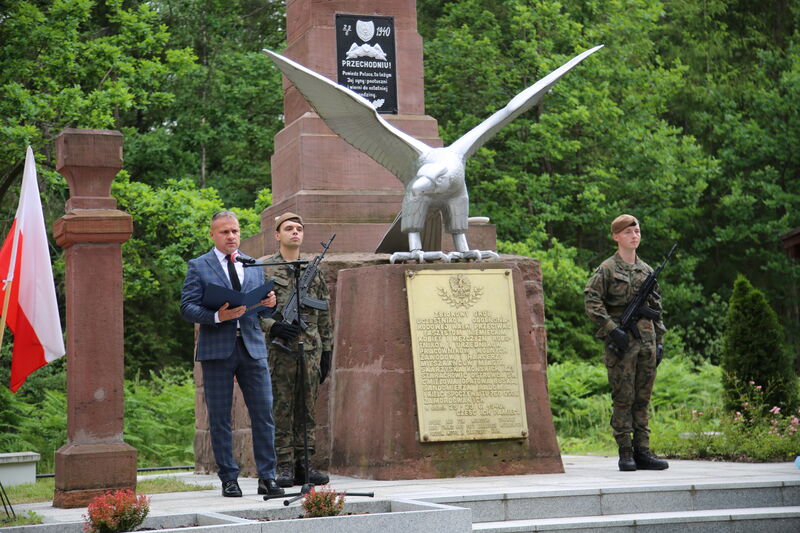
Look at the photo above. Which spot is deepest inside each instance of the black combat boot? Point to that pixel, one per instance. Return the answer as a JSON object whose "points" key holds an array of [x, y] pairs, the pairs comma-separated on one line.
{"points": [[285, 475], [626, 462], [646, 460], [315, 477]]}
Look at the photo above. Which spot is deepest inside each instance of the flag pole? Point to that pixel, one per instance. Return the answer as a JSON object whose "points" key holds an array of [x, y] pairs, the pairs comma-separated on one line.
{"points": [[8, 284]]}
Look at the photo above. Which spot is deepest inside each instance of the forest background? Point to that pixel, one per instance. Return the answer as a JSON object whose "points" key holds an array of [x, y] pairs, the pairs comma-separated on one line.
{"points": [[688, 119]]}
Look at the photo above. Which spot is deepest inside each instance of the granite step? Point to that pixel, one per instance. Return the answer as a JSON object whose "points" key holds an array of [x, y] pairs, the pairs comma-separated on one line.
{"points": [[601, 502], [750, 520]]}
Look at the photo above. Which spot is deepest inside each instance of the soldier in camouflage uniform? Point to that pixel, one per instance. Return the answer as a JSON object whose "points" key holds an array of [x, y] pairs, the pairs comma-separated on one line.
{"points": [[317, 337], [632, 374]]}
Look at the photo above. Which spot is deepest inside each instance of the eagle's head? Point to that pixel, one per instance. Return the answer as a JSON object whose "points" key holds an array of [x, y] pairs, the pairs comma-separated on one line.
{"points": [[441, 172]]}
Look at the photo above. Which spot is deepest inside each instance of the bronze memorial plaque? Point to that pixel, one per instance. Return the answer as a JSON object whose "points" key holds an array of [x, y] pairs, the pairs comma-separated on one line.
{"points": [[465, 346]]}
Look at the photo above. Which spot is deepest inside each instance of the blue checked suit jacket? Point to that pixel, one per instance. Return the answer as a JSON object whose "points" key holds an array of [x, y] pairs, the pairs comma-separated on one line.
{"points": [[217, 341]]}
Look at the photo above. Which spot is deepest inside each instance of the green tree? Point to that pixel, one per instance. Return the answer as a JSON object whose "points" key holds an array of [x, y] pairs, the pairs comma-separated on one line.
{"points": [[753, 352], [80, 64], [219, 128], [170, 226], [739, 101]]}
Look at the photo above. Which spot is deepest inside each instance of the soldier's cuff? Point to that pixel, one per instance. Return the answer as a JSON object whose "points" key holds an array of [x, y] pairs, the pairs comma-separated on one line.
{"points": [[266, 324], [609, 326]]}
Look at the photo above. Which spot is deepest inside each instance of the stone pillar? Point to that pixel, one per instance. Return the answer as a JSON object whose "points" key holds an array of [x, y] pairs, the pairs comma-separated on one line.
{"points": [[95, 458]]}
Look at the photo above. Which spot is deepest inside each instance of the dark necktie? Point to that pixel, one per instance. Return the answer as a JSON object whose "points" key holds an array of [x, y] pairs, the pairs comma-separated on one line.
{"points": [[237, 286]]}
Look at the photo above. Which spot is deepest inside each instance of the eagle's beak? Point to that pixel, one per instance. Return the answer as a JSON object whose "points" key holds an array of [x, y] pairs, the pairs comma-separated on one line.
{"points": [[421, 185]]}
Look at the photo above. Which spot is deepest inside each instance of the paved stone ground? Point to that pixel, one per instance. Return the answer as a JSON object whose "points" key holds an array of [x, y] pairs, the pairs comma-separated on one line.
{"points": [[581, 472]]}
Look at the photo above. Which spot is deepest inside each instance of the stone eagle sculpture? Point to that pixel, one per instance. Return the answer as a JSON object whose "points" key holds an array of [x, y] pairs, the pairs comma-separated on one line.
{"points": [[434, 177]]}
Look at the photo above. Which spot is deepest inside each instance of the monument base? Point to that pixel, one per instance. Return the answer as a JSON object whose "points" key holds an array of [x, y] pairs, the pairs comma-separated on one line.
{"points": [[354, 238], [374, 431], [85, 471]]}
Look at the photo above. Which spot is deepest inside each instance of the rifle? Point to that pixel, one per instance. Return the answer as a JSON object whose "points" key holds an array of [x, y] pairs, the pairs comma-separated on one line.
{"points": [[638, 309], [291, 311]]}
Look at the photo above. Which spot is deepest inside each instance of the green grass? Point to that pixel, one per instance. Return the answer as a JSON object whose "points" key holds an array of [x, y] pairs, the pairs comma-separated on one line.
{"points": [[42, 490], [29, 518]]}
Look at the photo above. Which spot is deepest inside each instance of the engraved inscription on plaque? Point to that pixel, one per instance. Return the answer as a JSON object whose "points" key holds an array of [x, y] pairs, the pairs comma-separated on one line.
{"points": [[465, 346], [366, 60]]}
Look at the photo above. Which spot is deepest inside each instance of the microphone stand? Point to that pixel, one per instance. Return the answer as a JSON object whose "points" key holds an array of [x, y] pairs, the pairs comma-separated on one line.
{"points": [[295, 267]]}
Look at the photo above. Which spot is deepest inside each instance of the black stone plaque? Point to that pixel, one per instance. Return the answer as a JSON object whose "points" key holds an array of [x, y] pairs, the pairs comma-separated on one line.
{"points": [[366, 60]]}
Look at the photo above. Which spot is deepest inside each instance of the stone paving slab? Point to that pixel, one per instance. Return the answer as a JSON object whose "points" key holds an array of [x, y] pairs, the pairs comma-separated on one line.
{"points": [[581, 473]]}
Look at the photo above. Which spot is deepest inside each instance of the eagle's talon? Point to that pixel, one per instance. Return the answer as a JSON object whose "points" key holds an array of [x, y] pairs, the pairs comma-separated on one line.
{"points": [[437, 256]]}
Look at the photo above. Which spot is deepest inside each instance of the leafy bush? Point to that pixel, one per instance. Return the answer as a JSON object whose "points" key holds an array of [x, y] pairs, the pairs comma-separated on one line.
{"points": [[263, 200], [752, 432], [580, 399], [159, 418], [701, 328], [681, 384], [116, 512], [754, 351], [323, 501]]}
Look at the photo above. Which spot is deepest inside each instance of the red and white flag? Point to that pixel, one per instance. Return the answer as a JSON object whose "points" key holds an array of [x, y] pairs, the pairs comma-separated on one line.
{"points": [[32, 312]]}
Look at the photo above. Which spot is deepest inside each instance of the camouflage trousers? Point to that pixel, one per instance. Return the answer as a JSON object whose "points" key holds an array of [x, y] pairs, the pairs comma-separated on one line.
{"points": [[631, 378], [287, 402]]}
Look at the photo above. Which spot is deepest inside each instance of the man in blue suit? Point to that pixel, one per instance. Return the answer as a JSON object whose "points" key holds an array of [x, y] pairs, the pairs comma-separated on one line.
{"points": [[230, 345]]}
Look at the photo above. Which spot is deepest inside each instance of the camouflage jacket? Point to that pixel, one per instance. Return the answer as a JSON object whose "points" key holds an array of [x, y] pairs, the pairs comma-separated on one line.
{"points": [[318, 336], [612, 286]]}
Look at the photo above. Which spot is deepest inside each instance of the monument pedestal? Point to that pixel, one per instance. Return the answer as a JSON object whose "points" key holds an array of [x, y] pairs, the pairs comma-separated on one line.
{"points": [[374, 430], [86, 471]]}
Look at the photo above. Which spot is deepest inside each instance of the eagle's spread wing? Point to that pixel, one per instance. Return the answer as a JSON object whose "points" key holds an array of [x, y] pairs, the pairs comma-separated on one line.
{"points": [[355, 120], [469, 143]]}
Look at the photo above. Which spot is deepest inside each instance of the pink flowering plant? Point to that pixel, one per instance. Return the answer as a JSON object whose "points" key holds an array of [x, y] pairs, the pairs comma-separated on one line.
{"points": [[116, 512], [754, 431], [323, 501]]}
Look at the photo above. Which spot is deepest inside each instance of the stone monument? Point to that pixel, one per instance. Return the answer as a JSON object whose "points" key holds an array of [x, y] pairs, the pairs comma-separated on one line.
{"points": [[95, 458], [367, 419]]}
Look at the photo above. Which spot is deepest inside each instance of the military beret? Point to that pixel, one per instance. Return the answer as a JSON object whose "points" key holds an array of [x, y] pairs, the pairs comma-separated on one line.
{"points": [[287, 216], [622, 222]]}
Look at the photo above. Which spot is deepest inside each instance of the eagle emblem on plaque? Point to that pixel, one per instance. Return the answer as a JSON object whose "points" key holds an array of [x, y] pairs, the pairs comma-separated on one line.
{"points": [[461, 293], [365, 30]]}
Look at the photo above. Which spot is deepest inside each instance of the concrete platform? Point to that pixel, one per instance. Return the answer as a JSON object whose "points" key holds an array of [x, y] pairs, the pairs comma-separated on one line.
{"points": [[585, 476]]}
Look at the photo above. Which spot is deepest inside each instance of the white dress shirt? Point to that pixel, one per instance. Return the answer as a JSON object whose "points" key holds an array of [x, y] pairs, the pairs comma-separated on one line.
{"points": [[239, 272]]}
